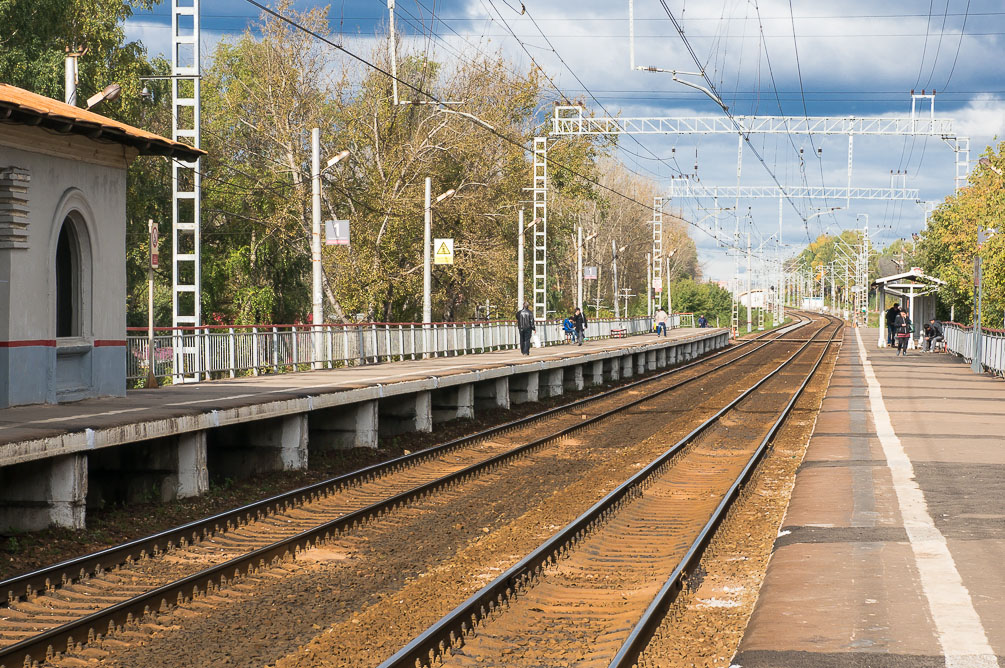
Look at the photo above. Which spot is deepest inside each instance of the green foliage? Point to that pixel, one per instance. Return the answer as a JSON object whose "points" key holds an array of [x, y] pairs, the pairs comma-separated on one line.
{"points": [[949, 243], [708, 299]]}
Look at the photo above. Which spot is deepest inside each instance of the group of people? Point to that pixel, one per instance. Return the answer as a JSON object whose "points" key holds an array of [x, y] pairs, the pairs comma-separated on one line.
{"points": [[574, 327], [900, 329]]}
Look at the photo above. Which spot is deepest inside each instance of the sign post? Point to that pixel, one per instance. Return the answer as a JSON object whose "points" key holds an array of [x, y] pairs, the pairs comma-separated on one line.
{"points": [[154, 264]]}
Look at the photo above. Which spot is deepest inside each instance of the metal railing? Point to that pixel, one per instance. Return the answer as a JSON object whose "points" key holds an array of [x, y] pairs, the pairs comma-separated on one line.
{"points": [[221, 351], [960, 342]]}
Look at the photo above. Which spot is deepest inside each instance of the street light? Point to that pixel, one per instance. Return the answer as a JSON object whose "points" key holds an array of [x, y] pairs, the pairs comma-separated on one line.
{"points": [[579, 264], [427, 271], [615, 251], [110, 92], [317, 304]]}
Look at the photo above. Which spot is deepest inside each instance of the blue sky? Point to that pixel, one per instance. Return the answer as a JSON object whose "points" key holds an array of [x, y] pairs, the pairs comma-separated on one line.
{"points": [[855, 57]]}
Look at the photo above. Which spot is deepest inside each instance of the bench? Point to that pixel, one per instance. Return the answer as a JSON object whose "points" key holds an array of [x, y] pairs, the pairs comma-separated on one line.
{"points": [[619, 333]]}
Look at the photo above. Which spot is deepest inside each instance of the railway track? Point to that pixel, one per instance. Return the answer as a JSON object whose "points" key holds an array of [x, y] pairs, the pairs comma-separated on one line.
{"points": [[595, 592], [65, 605]]}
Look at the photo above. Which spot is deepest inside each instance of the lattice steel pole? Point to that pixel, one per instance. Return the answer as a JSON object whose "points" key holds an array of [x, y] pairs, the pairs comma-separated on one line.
{"points": [[186, 182], [540, 228]]}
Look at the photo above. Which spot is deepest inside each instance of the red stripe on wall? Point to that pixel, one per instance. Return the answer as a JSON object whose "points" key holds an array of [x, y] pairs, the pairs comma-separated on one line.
{"points": [[23, 344], [99, 343]]}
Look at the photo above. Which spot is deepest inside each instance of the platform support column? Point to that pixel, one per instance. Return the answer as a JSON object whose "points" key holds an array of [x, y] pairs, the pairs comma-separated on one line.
{"points": [[406, 413], [596, 373], [192, 478], [627, 366], [612, 368], [49, 492], [524, 387], [453, 403], [348, 426], [492, 393], [650, 360], [552, 384], [573, 378], [661, 358]]}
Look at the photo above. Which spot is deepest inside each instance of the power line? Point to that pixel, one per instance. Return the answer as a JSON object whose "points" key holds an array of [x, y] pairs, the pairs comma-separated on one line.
{"points": [[433, 98], [729, 115]]}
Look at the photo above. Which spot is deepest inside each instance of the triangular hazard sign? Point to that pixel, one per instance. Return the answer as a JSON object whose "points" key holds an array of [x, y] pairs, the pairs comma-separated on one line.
{"points": [[443, 250]]}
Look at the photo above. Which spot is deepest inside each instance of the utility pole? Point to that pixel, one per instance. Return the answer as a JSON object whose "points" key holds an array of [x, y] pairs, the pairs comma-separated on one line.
{"points": [[151, 265], [427, 269], [750, 299], [579, 266], [614, 261], [70, 75], [519, 261], [318, 316], [649, 283]]}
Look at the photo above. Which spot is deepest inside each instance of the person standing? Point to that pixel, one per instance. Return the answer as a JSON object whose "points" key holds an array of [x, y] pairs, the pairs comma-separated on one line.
{"points": [[661, 321], [525, 325], [903, 327], [579, 323], [891, 323], [702, 322]]}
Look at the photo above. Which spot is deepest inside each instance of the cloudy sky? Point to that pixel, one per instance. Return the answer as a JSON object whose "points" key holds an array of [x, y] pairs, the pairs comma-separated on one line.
{"points": [[855, 58]]}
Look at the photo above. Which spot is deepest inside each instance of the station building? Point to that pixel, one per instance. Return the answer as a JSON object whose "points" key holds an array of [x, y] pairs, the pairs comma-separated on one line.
{"points": [[62, 247]]}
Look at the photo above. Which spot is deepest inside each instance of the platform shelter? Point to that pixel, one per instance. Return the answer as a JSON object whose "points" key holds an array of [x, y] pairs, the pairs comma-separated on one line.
{"points": [[913, 288]]}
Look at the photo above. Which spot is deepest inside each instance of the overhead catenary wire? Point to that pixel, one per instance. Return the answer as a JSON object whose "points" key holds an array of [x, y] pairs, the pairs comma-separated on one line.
{"points": [[729, 114]]}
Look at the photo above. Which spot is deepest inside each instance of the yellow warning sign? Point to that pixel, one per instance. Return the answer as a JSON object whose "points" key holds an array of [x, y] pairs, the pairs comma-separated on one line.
{"points": [[443, 251]]}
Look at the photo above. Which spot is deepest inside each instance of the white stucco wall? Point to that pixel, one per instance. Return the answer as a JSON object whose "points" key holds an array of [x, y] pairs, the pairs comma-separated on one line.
{"points": [[76, 179]]}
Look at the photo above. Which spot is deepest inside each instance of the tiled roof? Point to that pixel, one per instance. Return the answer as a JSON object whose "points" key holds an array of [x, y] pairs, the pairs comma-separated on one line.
{"points": [[18, 105]]}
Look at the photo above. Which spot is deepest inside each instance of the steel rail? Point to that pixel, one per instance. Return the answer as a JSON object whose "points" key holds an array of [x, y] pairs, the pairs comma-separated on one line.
{"points": [[446, 632], [43, 645], [652, 618], [75, 569]]}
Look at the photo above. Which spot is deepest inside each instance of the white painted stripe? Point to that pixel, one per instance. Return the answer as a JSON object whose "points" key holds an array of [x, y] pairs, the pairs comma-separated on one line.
{"points": [[961, 633]]}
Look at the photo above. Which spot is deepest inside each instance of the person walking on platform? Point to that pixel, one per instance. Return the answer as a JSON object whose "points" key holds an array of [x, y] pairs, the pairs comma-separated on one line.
{"points": [[891, 324], [904, 328], [525, 325], [702, 322], [661, 321], [579, 324]]}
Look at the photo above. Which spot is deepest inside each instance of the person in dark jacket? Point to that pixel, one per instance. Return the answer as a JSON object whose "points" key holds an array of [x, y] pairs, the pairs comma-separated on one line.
{"points": [[933, 334], [904, 327], [891, 324], [525, 325], [579, 323]]}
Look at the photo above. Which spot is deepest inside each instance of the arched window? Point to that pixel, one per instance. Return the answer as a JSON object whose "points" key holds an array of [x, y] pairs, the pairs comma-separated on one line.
{"points": [[67, 281]]}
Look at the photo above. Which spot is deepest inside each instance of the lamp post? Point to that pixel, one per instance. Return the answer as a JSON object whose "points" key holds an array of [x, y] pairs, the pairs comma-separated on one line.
{"points": [[614, 262], [579, 264], [427, 269], [317, 314]]}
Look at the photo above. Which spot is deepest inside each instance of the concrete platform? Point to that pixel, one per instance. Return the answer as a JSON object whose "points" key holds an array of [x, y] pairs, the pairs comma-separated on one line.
{"points": [[892, 552], [176, 436]]}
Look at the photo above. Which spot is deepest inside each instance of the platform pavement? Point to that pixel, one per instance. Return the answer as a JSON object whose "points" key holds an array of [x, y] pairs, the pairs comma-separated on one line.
{"points": [[892, 551], [157, 412]]}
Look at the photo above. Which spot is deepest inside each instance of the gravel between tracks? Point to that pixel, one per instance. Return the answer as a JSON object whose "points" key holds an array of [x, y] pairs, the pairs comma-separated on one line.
{"points": [[377, 586], [705, 625]]}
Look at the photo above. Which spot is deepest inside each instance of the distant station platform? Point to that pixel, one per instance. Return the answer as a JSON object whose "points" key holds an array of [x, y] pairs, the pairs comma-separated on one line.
{"points": [[892, 552], [56, 460]]}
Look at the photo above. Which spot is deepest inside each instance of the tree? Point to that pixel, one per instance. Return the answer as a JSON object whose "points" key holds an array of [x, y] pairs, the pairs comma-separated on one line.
{"points": [[948, 244]]}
